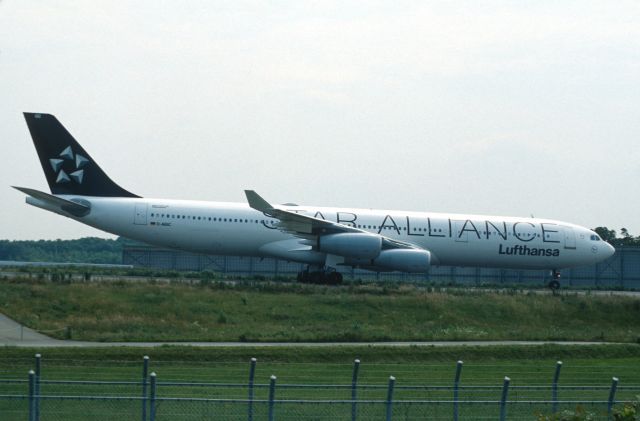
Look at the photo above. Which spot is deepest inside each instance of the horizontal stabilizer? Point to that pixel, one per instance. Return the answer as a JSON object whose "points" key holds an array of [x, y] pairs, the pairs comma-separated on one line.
{"points": [[74, 208]]}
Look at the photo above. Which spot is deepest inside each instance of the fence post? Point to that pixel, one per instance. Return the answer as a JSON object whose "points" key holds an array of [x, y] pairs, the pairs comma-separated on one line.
{"points": [[272, 395], [252, 373], [612, 396], [503, 399], [456, 385], [32, 390], [554, 388], [152, 397], [145, 375], [37, 388], [354, 390], [392, 382], [621, 254]]}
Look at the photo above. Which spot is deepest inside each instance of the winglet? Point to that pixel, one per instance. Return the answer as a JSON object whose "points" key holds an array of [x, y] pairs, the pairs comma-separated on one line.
{"points": [[257, 202]]}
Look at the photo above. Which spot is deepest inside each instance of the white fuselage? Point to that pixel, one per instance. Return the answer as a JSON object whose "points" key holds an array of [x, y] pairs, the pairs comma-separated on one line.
{"points": [[453, 239]]}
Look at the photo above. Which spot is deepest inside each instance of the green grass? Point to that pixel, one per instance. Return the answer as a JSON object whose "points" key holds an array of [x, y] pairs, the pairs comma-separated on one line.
{"points": [[594, 364], [412, 366], [267, 311]]}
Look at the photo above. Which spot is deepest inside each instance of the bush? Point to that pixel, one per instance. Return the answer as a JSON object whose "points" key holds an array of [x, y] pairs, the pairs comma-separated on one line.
{"points": [[629, 411], [580, 414], [222, 318]]}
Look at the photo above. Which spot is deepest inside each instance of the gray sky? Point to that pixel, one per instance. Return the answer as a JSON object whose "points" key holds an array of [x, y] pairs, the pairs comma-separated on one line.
{"points": [[504, 108]]}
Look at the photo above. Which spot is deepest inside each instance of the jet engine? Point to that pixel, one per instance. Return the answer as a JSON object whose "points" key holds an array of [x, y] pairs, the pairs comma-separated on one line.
{"points": [[404, 260], [354, 245]]}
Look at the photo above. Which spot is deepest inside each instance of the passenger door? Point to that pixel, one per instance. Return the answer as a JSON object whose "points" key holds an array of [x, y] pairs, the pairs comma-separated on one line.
{"points": [[569, 238], [140, 217]]}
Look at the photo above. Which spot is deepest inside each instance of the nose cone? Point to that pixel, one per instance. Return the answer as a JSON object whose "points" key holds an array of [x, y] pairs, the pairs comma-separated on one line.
{"points": [[608, 251]]}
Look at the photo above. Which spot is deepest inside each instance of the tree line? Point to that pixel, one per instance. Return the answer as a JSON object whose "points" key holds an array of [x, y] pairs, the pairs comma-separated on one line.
{"points": [[83, 250], [612, 237]]}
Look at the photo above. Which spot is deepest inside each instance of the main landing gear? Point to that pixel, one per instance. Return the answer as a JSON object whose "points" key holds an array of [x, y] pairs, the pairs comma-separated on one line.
{"points": [[554, 284], [325, 277]]}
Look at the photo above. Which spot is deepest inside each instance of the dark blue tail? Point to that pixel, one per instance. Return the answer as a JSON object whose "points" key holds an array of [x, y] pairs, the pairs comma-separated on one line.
{"points": [[68, 167]]}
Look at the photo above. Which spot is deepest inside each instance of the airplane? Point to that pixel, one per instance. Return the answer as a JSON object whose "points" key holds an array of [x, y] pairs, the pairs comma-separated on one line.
{"points": [[323, 238]]}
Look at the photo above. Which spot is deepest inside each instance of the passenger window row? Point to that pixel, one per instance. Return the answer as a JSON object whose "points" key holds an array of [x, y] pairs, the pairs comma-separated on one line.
{"points": [[210, 218]]}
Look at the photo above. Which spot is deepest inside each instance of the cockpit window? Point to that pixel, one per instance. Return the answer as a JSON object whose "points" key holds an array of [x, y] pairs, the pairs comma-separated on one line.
{"points": [[595, 238]]}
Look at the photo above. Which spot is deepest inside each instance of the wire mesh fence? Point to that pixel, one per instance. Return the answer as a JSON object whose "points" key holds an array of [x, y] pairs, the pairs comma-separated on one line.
{"points": [[150, 398], [129, 408]]}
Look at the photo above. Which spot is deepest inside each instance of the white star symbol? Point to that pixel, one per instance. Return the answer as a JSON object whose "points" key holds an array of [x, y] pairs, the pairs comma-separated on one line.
{"points": [[67, 155]]}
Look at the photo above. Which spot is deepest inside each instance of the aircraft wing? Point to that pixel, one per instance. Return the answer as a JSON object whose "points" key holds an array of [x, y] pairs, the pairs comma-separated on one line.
{"points": [[309, 227]]}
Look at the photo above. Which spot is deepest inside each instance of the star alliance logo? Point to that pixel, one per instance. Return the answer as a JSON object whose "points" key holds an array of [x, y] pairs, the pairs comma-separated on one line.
{"points": [[67, 155]]}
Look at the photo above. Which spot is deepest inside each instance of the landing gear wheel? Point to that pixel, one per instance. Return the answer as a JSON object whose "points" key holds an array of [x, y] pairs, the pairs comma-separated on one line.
{"points": [[554, 284], [334, 278], [304, 277], [316, 277]]}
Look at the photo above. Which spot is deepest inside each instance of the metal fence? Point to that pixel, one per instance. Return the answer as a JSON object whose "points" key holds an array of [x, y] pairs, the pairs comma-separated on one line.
{"points": [[622, 270], [149, 398]]}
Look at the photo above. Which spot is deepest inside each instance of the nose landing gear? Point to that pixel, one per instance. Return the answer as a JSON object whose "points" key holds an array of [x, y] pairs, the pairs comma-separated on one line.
{"points": [[554, 284]]}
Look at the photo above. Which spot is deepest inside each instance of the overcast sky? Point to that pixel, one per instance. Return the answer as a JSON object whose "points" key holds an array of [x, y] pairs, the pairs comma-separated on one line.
{"points": [[499, 108]]}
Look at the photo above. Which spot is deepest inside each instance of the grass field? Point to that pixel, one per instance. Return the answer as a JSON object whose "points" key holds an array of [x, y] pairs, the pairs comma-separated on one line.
{"points": [[267, 311], [223, 374], [592, 364], [280, 311]]}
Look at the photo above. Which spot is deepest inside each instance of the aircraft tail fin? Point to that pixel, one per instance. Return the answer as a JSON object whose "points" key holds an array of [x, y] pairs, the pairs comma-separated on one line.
{"points": [[67, 166]]}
